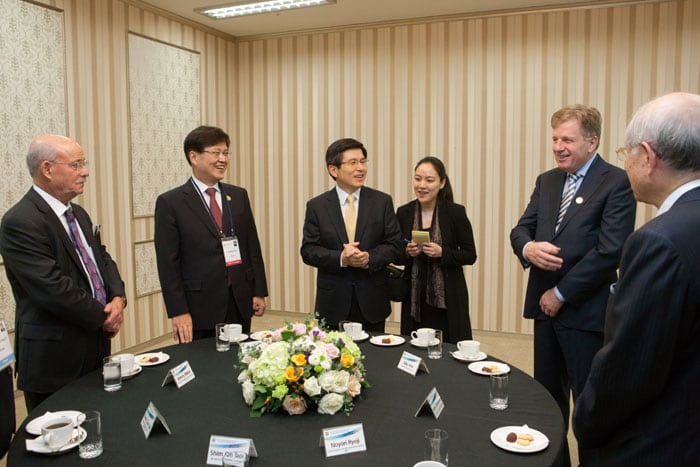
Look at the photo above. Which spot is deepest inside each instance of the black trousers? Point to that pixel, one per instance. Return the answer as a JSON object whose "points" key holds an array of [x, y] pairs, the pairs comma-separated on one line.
{"points": [[7, 410]]}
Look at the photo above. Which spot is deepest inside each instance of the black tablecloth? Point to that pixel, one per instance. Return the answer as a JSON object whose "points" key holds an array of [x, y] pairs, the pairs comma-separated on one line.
{"points": [[212, 404]]}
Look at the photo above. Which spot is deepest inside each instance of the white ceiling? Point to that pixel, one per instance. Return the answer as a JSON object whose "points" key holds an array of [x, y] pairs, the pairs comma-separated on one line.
{"points": [[344, 13]]}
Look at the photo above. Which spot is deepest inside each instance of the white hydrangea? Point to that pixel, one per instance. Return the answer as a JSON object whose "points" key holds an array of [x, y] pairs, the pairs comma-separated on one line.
{"points": [[269, 369]]}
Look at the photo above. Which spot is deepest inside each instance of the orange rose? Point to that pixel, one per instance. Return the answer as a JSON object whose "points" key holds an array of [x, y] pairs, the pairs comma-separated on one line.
{"points": [[293, 374], [346, 360], [298, 359]]}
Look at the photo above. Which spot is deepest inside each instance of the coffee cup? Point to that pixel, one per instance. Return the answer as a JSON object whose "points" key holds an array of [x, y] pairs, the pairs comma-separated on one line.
{"points": [[352, 329], [423, 335], [232, 332], [468, 349], [57, 432], [126, 361]]}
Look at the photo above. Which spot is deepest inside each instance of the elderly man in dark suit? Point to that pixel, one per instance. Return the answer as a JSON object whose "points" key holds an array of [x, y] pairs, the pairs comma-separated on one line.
{"points": [[571, 238], [209, 258], [69, 294], [641, 403], [351, 234]]}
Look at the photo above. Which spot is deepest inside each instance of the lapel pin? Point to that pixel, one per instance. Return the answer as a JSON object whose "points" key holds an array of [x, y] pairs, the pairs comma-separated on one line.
{"points": [[579, 200], [228, 197]]}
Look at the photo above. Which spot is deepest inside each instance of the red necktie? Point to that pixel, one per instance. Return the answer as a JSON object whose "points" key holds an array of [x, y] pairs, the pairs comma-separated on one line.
{"points": [[214, 207]]}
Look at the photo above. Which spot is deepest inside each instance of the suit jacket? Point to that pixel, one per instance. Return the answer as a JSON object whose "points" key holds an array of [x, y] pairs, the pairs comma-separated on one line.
{"points": [[458, 249], [641, 402], [58, 323], [590, 236], [324, 235], [193, 275]]}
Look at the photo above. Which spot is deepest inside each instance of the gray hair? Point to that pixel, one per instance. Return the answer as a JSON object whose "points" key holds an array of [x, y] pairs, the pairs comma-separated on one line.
{"points": [[39, 151], [670, 125]]}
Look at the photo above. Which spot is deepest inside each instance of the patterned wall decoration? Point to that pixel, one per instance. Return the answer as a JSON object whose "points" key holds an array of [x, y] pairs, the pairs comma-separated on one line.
{"points": [[146, 271], [32, 99], [164, 99]]}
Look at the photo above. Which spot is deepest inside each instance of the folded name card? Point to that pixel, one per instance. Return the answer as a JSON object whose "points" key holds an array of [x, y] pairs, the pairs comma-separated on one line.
{"points": [[343, 439], [434, 402], [235, 450], [181, 374], [151, 418], [411, 364]]}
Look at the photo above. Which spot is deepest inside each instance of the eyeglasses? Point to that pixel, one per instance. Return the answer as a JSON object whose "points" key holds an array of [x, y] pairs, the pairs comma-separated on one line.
{"points": [[354, 162], [622, 152], [75, 165], [217, 153]]}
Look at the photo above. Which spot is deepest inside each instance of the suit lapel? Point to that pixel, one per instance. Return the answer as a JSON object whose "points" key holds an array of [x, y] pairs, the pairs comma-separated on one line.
{"points": [[336, 215], [194, 202], [363, 214], [553, 200], [590, 184]]}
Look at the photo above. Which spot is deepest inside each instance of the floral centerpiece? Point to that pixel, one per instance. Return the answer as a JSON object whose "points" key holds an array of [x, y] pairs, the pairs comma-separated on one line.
{"points": [[301, 366]]}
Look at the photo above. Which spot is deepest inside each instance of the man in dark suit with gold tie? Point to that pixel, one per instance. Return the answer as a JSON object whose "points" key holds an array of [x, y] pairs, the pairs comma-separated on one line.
{"points": [[69, 294], [641, 404], [209, 258], [351, 234], [570, 237]]}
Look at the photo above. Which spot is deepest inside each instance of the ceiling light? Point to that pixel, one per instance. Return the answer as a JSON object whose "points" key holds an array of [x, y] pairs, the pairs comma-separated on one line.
{"points": [[253, 7]]}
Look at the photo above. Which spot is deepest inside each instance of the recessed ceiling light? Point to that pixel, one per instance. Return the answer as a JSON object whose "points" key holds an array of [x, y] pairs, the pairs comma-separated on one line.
{"points": [[253, 7]]}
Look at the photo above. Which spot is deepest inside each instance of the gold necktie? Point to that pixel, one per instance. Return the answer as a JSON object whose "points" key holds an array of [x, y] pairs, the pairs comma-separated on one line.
{"points": [[350, 218]]}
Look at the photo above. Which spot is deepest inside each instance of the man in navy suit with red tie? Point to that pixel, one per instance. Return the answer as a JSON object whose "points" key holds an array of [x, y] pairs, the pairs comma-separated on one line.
{"points": [[641, 404], [69, 294], [209, 258], [571, 237]]}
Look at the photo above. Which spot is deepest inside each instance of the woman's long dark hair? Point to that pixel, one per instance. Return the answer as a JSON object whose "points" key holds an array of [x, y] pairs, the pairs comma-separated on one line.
{"points": [[445, 192]]}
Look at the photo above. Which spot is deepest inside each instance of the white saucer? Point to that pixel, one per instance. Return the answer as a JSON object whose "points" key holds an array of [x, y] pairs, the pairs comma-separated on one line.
{"points": [[143, 359], [421, 344], [477, 367], [134, 371], [498, 437], [34, 427], [458, 356], [395, 340], [240, 338], [362, 337], [38, 444]]}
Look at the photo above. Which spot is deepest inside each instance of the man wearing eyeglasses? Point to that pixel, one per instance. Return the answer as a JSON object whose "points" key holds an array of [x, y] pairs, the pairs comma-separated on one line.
{"points": [[69, 294], [209, 258], [351, 234]]}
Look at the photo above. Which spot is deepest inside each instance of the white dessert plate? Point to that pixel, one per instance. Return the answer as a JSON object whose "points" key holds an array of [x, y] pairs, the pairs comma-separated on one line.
{"points": [[260, 335], [240, 338], [134, 371], [458, 356], [478, 368], [499, 435], [38, 444], [151, 358], [393, 340], [34, 427]]}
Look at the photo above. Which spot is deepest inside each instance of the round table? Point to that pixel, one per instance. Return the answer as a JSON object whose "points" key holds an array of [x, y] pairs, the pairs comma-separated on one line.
{"points": [[212, 404]]}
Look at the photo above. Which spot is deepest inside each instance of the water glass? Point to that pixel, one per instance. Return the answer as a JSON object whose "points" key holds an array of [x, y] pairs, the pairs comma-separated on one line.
{"points": [[435, 345], [436, 445], [498, 392], [222, 342], [112, 374], [92, 444]]}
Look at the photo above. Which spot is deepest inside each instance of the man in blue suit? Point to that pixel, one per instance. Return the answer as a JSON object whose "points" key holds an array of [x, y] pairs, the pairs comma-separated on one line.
{"points": [[571, 238], [351, 259], [641, 403]]}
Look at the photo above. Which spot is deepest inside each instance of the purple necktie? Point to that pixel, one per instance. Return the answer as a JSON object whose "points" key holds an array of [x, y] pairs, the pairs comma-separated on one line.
{"points": [[95, 279]]}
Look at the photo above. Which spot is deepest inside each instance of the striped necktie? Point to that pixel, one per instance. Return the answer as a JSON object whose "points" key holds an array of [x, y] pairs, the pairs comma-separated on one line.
{"points": [[571, 180], [95, 279]]}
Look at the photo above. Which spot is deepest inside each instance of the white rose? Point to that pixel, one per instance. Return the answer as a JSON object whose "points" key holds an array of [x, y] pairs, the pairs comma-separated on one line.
{"points": [[248, 389], [243, 376], [311, 386], [330, 403], [334, 381]]}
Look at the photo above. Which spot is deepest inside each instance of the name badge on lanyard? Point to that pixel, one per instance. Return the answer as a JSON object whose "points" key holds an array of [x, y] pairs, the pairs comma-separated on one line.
{"points": [[232, 251]]}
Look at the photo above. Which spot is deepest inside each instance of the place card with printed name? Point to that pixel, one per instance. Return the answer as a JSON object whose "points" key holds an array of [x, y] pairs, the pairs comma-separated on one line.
{"points": [[7, 356], [411, 364], [343, 439], [235, 450], [181, 374], [152, 418], [434, 402]]}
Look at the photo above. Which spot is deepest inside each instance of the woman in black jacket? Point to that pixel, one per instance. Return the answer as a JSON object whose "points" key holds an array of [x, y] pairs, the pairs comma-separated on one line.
{"points": [[438, 295]]}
